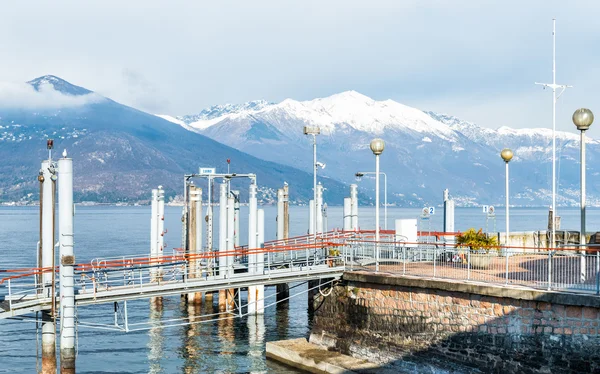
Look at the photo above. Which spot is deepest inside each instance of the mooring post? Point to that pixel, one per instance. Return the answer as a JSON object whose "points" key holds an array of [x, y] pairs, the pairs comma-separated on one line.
{"points": [[154, 234], [192, 238], [161, 221], [222, 260], [280, 218], [347, 214], [260, 260], [198, 228], [230, 255], [286, 211], [354, 208], [67, 260], [311, 217], [448, 218], [252, 240], [283, 290], [47, 264], [236, 217]]}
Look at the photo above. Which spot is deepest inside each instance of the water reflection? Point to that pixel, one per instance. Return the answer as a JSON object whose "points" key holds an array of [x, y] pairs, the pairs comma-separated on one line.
{"points": [[256, 341], [155, 343]]}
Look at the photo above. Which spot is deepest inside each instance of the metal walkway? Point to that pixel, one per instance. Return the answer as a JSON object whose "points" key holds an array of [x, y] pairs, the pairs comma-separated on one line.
{"points": [[105, 280]]}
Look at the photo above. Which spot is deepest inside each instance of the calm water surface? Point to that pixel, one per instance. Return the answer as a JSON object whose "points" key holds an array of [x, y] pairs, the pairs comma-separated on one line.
{"points": [[232, 346]]}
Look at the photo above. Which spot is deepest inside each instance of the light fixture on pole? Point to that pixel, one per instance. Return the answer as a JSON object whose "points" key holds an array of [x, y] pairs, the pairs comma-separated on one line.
{"points": [[506, 155], [361, 174], [314, 131], [377, 145], [582, 118]]}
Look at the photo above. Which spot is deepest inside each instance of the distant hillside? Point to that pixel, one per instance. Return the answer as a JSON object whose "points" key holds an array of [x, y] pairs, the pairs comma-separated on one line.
{"points": [[120, 153]]}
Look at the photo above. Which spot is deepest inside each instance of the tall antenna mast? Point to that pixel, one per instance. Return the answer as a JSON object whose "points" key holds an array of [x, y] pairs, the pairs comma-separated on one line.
{"points": [[562, 88]]}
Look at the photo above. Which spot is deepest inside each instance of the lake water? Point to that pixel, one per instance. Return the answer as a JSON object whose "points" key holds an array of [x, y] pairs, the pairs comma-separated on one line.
{"points": [[234, 346]]}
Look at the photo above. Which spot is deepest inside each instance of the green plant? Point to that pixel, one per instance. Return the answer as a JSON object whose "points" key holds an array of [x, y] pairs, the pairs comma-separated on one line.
{"points": [[477, 240]]}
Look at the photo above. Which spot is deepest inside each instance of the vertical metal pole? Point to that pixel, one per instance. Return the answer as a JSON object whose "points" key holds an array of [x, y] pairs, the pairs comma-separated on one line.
{"points": [[376, 212], [582, 237], [230, 236], [47, 246], [209, 213], [314, 208], [507, 235], [554, 212], [67, 260], [236, 217], [192, 238]]}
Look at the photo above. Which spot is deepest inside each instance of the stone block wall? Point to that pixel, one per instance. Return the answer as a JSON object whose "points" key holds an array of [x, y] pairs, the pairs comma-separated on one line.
{"points": [[488, 329]]}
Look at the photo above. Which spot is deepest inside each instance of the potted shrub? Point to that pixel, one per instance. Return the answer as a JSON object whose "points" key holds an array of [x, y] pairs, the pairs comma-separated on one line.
{"points": [[481, 247]]}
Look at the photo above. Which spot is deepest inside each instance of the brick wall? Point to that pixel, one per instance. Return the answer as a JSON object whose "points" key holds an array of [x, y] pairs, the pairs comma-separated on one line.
{"points": [[480, 328]]}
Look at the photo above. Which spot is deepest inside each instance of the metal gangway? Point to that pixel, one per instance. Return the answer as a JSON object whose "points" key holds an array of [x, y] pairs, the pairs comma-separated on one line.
{"points": [[114, 279]]}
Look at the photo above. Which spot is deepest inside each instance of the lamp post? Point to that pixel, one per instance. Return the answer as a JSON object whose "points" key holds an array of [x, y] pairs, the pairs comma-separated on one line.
{"points": [[377, 145], [363, 173], [582, 118], [314, 131], [506, 155]]}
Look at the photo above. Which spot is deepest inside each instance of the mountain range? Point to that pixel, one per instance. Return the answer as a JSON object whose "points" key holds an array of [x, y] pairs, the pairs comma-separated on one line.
{"points": [[119, 153], [425, 151]]}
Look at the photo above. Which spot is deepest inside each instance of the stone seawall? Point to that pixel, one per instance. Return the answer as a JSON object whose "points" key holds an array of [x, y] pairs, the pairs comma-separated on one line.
{"points": [[485, 328]]}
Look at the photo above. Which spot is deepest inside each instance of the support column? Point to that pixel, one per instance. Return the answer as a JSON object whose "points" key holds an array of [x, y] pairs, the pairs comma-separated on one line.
{"points": [[319, 210], [47, 247], [221, 259], [252, 240], [194, 216], [154, 234], [311, 217], [354, 207], [236, 217], [286, 211], [347, 214], [280, 214], [67, 260], [161, 221], [229, 258], [260, 260], [448, 218]]}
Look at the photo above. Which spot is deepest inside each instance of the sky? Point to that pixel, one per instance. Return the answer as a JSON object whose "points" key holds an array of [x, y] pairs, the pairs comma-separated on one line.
{"points": [[477, 60]]}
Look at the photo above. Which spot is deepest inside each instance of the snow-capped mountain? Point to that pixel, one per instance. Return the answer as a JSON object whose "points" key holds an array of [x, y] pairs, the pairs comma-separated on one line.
{"points": [[425, 151]]}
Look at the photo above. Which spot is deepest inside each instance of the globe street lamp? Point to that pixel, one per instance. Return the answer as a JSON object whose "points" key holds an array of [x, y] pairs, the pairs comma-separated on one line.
{"points": [[506, 155], [377, 145], [582, 118], [314, 131], [360, 174]]}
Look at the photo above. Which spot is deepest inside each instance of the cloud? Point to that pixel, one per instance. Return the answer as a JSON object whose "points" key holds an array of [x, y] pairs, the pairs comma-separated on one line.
{"points": [[24, 96], [142, 93]]}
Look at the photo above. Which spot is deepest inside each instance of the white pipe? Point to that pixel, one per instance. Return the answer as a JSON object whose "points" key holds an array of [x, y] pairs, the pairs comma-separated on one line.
{"points": [[209, 214], [354, 210], [347, 214], [67, 289], [280, 217], [319, 208], [222, 226]]}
